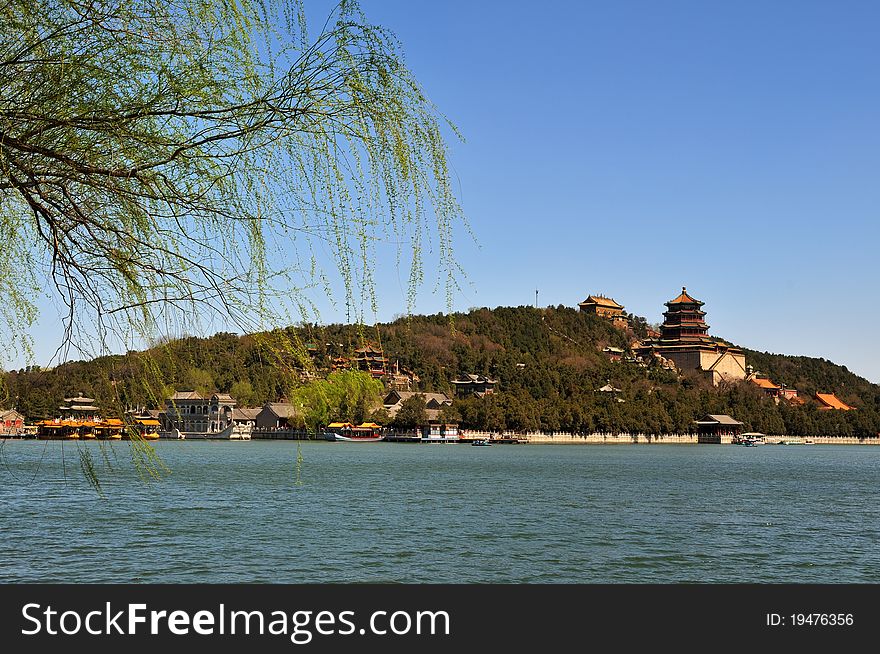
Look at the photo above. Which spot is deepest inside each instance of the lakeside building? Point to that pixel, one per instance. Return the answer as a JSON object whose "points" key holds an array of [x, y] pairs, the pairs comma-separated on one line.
{"points": [[189, 411], [80, 419], [717, 429], [245, 417], [685, 340], [434, 402], [479, 385], [11, 419], [277, 415]]}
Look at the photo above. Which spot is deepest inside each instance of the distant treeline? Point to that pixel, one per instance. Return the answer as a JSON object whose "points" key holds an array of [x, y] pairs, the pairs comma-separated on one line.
{"points": [[548, 362]]}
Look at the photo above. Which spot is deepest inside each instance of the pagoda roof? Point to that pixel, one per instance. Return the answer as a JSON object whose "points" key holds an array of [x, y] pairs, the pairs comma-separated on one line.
{"points": [[369, 349], [603, 301], [684, 298]]}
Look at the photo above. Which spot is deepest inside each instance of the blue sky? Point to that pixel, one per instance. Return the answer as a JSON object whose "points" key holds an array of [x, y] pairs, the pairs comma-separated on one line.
{"points": [[630, 148]]}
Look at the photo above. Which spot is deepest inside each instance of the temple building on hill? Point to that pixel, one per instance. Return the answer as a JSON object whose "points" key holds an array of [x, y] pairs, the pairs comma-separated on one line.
{"points": [[830, 402], [605, 307], [601, 306], [372, 360], [777, 392], [476, 385], [684, 339]]}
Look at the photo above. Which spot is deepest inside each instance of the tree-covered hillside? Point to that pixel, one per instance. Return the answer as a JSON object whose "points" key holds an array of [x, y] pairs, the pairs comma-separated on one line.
{"points": [[549, 365]]}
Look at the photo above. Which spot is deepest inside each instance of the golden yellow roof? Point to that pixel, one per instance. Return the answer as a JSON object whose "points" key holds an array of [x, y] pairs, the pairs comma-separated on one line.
{"points": [[340, 425], [602, 301], [831, 401], [766, 384], [684, 298]]}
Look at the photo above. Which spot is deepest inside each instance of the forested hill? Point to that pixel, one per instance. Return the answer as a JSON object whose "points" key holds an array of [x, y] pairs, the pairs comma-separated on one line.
{"points": [[548, 363]]}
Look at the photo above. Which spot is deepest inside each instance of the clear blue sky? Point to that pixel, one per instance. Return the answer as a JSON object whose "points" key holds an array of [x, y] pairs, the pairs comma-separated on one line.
{"points": [[632, 147]]}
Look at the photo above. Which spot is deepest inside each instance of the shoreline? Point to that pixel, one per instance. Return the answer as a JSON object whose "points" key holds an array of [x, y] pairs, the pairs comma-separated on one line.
{"points": [[558, 438]]}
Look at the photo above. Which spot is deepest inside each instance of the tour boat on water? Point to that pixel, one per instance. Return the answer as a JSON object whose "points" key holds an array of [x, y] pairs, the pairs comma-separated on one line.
{"points": [[368, 432], [752, 439]]}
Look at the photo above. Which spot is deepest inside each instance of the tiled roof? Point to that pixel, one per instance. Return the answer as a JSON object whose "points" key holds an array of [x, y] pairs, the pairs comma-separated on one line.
{"points": [[246, 413], [186, 395], [281, 409], [684, 298], [831, 401], [602, 301], [79, 399], [721, 419], [766, 384], [473, 379], [439, 398]]}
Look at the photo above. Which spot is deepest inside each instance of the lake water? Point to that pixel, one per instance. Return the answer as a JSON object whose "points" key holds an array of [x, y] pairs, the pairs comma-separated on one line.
{"points": [[384, 512]]}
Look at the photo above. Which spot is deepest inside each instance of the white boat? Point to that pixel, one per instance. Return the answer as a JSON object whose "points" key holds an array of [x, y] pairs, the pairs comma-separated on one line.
{"points": [[333, 436], [752, 439], [230, 433]]}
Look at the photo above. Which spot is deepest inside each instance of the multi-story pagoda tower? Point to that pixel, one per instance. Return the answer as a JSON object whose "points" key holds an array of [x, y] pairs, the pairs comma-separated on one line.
{"points": [[684, 339], [684, 321]]}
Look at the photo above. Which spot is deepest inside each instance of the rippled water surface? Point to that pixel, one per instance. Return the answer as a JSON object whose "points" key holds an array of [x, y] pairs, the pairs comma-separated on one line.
{"points": [[383, 512]]}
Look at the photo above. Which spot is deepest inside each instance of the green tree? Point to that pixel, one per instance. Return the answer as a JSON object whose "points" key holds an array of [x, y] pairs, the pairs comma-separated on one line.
{"points": [[171, 164], [164, 160], [243, 392], [412, 413], [345, 396]]}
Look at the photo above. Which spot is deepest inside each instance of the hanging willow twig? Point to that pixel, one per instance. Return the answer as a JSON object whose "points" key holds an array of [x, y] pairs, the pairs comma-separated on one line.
{"points": [[166, 160]]}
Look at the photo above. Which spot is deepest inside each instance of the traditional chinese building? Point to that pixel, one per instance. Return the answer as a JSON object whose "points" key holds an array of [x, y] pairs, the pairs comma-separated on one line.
{"points": [[434, 402], [767, 386], [11, 421], [477, 385], [601, 306], [605, 307], [278, 415], [684, 339], [830, 402], [717, 429], [372, 360]]}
